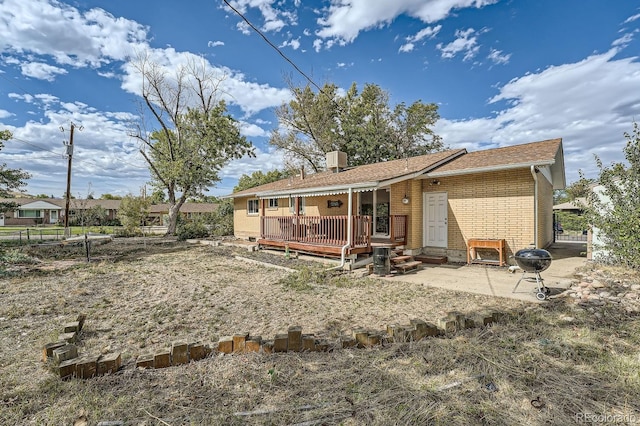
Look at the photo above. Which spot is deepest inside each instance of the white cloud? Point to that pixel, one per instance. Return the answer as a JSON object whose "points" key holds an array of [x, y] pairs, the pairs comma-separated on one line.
{"points": [[41, 71], [252, 130], [249, 96], [294, 43], [263, 161], [54, 30], [466, 41], [632, 18], [26, 97], [428, 32], [317, 44], [344, 20], [5, 113], [215, 43], [406, 48], [590, 104], [274, 19], [624, 40], [244, 28], [104, 153], [497, 57]]}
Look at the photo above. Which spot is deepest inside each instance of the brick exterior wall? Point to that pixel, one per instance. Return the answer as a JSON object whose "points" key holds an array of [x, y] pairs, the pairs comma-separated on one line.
{"points": [[413, 191], [484, 205], [488, 205]]}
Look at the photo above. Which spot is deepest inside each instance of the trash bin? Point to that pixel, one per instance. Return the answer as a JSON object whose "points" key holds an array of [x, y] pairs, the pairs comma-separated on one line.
{"points": [[381, 261]]}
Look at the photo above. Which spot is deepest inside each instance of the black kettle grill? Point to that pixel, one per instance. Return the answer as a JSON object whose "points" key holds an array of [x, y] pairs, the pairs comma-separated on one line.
{"points": [[534, 261]]}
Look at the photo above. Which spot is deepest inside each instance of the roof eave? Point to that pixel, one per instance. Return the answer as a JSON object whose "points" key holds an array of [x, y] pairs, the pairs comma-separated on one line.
{"points": [[301, 192], [437, 174]]}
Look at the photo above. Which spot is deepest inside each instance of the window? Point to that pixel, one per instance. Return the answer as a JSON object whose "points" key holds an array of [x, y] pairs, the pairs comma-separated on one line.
{"points": [[253, 207], [292, 204], [29, 213], [273, 203]]}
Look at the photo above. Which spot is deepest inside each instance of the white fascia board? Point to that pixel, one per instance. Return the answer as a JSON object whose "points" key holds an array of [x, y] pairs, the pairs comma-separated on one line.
{"points": [[307, 192], [487, 169]]}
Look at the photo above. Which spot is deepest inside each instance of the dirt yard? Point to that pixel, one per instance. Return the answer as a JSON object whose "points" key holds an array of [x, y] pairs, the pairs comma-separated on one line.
{"points": [[139, 296]]}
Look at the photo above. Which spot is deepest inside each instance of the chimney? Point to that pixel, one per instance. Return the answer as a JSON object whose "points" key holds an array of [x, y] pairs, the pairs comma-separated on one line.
{"points": [[302, 173]]}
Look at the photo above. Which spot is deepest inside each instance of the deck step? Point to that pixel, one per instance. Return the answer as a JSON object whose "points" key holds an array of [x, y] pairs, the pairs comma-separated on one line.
{"points": [[400, 259], [407, 266], [435, 260]]}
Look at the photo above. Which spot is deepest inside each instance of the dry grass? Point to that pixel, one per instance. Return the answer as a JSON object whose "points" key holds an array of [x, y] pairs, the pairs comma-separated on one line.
{"points": [[139, 299]]}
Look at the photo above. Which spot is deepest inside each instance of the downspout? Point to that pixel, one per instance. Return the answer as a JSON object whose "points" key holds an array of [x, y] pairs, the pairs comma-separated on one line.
{"points": [[343, 250], [535, 206]]}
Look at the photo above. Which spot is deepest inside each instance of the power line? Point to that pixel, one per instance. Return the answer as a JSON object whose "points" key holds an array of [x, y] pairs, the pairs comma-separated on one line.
{"points": [[277, 49], [33, 144], [81, 161]]}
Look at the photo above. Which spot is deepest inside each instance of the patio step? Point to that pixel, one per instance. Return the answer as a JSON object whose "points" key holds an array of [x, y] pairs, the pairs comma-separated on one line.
{"points": [[434, 260], [407, 266], [400, 259]]}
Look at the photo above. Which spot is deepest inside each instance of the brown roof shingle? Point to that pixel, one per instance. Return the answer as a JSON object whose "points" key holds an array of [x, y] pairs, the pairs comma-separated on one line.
{"points": [[537, 153], [372, 173]]}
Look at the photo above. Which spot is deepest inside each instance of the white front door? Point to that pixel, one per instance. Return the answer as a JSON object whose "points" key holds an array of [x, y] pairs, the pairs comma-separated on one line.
{"points": [[1, 219], [435, 219]]}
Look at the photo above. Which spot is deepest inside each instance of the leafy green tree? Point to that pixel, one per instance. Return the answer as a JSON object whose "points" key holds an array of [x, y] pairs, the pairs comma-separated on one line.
{"points": [[260, 178], [194, 136], [132, 213], [157, 197], [616, 210], [10, 179], [362, 124], [43, 196], [110, 197], [221, 220]]}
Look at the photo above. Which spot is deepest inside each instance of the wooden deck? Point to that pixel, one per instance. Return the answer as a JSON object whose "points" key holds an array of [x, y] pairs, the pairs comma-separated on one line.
{"points": [[326, 235]]}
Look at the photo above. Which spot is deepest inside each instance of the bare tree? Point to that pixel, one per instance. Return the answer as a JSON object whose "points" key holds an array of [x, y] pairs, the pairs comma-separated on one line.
{"points": [[193, 137]]}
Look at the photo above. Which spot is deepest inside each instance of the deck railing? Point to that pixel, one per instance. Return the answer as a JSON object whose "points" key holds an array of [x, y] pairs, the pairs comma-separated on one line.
{"points": [[398, 229], [328, 230], [321, 230]]}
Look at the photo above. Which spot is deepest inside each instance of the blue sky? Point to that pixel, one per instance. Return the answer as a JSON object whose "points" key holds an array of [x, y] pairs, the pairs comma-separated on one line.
{"points": [[503, 72]]}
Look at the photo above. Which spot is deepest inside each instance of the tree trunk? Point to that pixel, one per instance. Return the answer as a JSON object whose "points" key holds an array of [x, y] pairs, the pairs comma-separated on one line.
{"points": [[174, 211]]}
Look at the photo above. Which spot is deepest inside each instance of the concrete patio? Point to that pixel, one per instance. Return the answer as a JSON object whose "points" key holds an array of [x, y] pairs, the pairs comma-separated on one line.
{"points": [[498, 281]]}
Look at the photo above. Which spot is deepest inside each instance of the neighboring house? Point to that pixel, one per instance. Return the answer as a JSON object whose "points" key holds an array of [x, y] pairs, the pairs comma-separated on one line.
{"points": [[76, 206], [574, 206], [50, 211], [31, 212], [430, 204]]}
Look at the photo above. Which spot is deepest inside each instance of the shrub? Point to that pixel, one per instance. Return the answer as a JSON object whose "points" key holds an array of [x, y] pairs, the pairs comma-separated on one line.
{"points": [[188, 230]]}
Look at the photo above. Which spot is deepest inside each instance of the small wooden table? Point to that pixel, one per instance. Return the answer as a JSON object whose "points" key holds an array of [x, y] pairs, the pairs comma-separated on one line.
{"points": [[476, 243]]}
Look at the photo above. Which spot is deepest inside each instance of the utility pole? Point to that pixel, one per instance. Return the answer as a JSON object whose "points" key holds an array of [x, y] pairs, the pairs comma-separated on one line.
{"points": [[67, 230]]}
